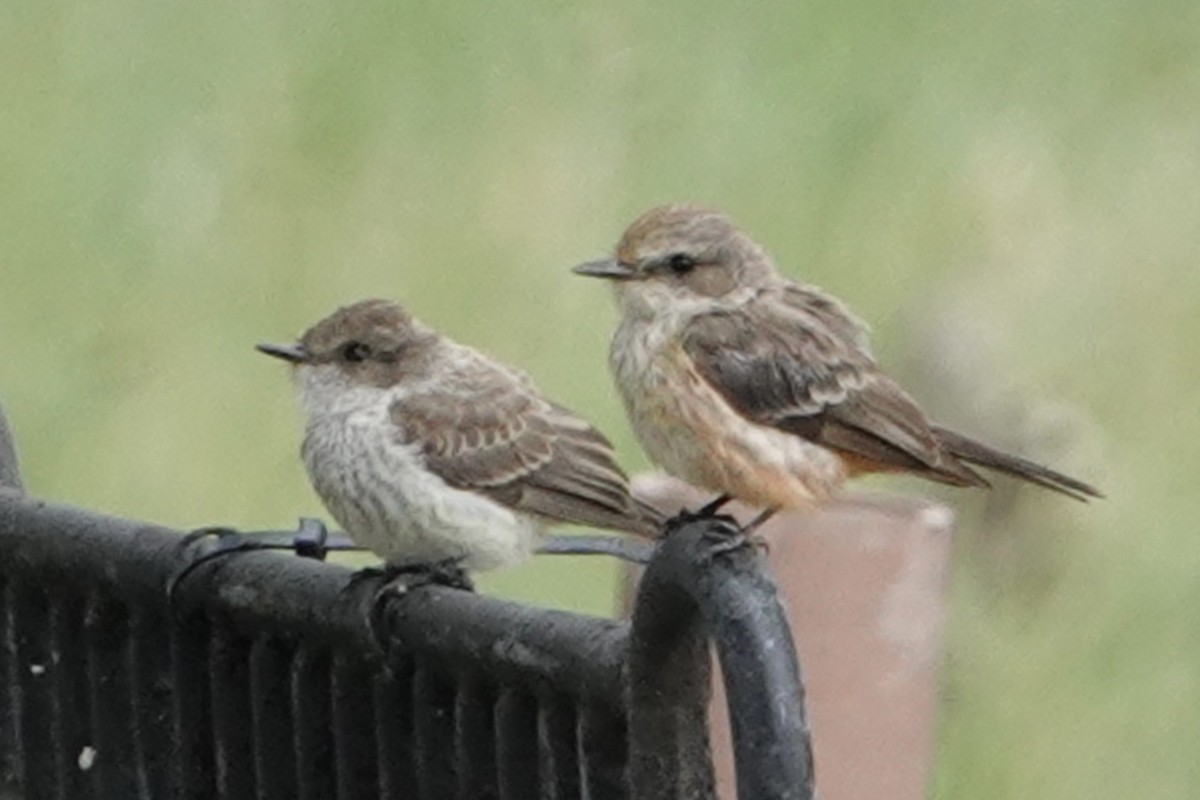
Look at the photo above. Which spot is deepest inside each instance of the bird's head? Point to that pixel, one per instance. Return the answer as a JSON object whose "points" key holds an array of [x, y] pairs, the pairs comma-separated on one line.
{"points": [[355, 353], [678, 257]]}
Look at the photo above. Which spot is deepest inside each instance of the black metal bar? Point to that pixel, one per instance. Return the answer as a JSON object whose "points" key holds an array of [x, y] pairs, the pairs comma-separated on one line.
{"points": [[315, 764], [433, 715], [517, 746], [271, 710], [193, 774], [669, 688], [529, 649], [475, 741], [34, 703], [591, 707], [66, 546], [354, 729], [10, 472], [11, 765], [67, 673], [603, 753], [396, 747], [259, 592], [152, 693], [106, 632], [700, 580], [558, 748], [772, 744], [229, 677], [637, 551]]}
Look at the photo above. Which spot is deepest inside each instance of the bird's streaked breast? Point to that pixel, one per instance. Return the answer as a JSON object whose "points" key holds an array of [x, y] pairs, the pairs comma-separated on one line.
{"points": [[381, 492], [690, 430]]}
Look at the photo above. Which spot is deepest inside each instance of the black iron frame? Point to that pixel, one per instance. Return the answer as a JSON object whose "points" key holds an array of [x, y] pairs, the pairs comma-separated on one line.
{"points": [[265, 679]]}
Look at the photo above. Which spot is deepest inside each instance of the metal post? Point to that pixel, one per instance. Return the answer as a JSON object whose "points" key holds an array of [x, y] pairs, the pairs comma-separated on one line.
{"points": [[695, 588], [10, 475]]}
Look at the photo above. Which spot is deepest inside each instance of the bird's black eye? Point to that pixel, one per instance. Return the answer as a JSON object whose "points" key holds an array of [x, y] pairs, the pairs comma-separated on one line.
{"points": [[355, 352], [681, 263]]}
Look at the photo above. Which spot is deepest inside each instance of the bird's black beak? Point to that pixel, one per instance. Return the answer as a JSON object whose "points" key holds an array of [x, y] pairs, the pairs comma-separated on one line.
{"points": [[294, 353], [608, 268]]}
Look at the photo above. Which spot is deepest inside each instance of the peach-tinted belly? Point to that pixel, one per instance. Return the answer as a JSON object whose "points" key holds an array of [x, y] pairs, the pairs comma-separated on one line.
{"points": [[689, 429]]}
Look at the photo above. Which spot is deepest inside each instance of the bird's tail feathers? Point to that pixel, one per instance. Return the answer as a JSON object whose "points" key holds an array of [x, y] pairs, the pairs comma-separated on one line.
{"points": [[973, 452]]}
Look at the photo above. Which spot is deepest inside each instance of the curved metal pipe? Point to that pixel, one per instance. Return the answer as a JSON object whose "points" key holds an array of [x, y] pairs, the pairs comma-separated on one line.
{"points": [[10, 473], [703, 584]]}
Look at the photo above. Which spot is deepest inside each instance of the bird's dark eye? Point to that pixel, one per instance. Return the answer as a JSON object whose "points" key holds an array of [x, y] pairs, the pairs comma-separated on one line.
{"points": [[355, 352], [681, 263]]}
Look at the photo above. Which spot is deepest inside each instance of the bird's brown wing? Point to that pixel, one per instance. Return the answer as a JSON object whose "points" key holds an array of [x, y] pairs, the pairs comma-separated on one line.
{"points": [[499, 438], [796, 360]]}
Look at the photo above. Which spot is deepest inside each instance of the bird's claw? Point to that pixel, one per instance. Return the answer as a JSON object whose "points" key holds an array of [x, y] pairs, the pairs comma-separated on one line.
{"points": [[449, 572], [728, 538], [708, 511], [400, 580], [725, 539], [760, 544], [685, 518]]}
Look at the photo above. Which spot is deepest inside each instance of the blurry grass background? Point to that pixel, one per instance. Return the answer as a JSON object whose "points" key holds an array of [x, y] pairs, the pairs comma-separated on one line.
{"points": [[1009, 192]]}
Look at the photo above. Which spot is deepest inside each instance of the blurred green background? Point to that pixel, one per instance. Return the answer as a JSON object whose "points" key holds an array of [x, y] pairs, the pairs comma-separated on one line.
{"points": [[1009, 192]]}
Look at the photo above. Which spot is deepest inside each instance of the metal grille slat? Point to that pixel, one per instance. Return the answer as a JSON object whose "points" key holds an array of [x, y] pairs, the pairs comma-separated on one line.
{"points": [[229, 673], [354, 729], [475, 741], [315, 765], [152, 692], [557, 747], [394, 731], [270, 697], [602, 754], [517, 745], [11, 765], [66, 671], [433, 715], [34, 699], [193, 774]]}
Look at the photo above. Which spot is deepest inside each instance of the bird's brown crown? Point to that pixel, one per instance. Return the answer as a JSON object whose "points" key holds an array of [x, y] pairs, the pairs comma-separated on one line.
{"points": [[366, 320], [676, 228], [689, 250], [367, 337]]}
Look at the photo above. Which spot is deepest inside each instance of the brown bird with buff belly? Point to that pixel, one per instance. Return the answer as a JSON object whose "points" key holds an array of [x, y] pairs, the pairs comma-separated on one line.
{"points": [[757, 388]]}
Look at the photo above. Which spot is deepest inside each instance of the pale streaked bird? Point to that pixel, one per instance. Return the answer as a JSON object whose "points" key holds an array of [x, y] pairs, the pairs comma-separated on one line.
{"points": [[428, 451], [747, 384]]}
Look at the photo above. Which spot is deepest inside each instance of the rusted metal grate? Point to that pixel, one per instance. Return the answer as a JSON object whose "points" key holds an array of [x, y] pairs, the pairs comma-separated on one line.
{"points": [[265, 680]]}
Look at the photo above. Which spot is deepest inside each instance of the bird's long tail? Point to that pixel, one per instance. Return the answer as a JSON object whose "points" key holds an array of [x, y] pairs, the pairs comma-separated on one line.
{"points": [[974, 452]]}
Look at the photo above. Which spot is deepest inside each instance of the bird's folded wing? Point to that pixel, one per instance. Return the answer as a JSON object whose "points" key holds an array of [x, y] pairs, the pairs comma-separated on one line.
{"points": [[512, 445], [800, 364]]}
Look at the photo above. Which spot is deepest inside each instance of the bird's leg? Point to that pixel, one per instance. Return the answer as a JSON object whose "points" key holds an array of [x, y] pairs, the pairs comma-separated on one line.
{"points": [[707, 511], [756, 523], [399, 580], [750, 530], [712, 507], [726, 539], [725, 536]]}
